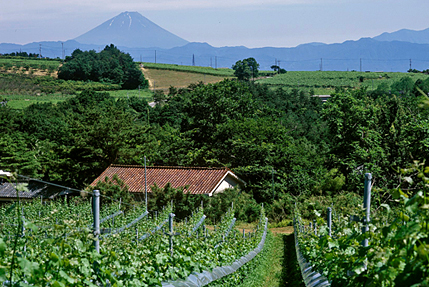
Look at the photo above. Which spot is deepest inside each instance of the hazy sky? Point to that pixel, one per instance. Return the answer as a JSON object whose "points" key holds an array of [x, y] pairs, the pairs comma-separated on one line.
{"points": [[251, 23]]}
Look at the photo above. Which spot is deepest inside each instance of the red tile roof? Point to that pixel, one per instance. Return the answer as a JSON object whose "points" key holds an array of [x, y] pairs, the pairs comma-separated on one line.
{"points": [[200, 180]]}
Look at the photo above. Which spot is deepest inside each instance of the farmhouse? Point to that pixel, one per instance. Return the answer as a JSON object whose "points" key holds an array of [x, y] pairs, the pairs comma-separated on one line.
{"points": [[198, 180]]}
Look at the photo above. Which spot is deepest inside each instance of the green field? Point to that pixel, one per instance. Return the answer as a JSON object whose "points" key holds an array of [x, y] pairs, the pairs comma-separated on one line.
{"points": [[326, 82]]}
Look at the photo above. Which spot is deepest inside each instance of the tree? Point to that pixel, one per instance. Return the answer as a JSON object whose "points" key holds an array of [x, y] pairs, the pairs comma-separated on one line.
{"points": [[109, 66], [278, 69], [246, 69]]}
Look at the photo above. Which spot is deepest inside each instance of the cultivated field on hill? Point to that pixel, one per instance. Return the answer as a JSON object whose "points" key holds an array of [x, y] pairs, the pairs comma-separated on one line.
{"points": [[160, 79], [24, 81], [222, 72], [325, 82], [29, 66]]}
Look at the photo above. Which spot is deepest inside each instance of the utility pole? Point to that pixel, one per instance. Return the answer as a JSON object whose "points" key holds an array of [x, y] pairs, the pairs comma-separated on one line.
{"points": [[193, 60], [410, 64], [40, 50], [62, 50], [321, 64]]}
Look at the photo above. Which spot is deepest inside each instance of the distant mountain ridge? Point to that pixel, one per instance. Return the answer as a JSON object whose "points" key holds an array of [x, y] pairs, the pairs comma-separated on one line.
{"points": [[131, 33], [132, 30], [406, 35]]}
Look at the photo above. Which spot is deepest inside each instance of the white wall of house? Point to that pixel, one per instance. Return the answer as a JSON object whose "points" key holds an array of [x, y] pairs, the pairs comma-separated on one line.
{"points": [[227, 182]]}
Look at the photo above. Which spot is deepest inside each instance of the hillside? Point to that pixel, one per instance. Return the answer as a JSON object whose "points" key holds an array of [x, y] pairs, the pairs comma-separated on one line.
{"points": [[23, 79]]}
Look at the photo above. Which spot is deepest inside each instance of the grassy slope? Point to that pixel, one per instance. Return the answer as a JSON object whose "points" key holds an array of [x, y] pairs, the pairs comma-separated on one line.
{"points": [[277, 265]]}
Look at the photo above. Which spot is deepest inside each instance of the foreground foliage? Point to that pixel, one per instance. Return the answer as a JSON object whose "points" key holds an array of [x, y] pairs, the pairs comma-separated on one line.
{"points": [[52, 245], [398, 251]]}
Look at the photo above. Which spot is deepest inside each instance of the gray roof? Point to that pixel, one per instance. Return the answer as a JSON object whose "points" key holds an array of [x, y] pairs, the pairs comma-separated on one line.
{"points": [[33, 189], [7, 190]]}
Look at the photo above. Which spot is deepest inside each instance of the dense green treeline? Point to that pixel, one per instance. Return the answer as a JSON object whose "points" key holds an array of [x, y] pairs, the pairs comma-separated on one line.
{"points": [[109, 66], [285, 144]]}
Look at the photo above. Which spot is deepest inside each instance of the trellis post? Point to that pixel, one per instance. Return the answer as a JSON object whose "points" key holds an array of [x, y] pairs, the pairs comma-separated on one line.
{"points": [[96, 215], [329, 219], [366, 206], [170, 223]]}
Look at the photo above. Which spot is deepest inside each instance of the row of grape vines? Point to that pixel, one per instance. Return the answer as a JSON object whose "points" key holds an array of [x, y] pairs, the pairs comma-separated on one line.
{"points": [[29, 63], [334, 79], [52, 244], [390, 249]]}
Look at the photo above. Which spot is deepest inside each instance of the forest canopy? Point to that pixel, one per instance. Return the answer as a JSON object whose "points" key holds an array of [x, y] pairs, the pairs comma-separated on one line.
{"points": [[285, 144], [109, 66]]}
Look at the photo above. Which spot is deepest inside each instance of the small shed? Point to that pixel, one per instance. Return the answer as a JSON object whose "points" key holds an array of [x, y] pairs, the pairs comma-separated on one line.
{"points": [[28, 188], [199, 180]]}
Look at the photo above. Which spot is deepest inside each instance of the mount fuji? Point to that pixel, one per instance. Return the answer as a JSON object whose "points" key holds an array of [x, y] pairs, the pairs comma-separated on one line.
{"points": [[132, 30]]}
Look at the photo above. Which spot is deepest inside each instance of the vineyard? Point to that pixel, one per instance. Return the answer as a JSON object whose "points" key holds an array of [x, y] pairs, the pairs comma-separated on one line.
{"points": [[381, 247], [69, 243], [323, 80]]}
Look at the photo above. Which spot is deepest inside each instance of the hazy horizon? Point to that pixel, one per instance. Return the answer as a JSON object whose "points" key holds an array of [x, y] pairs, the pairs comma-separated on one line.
{"points": [[252, 23]]}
